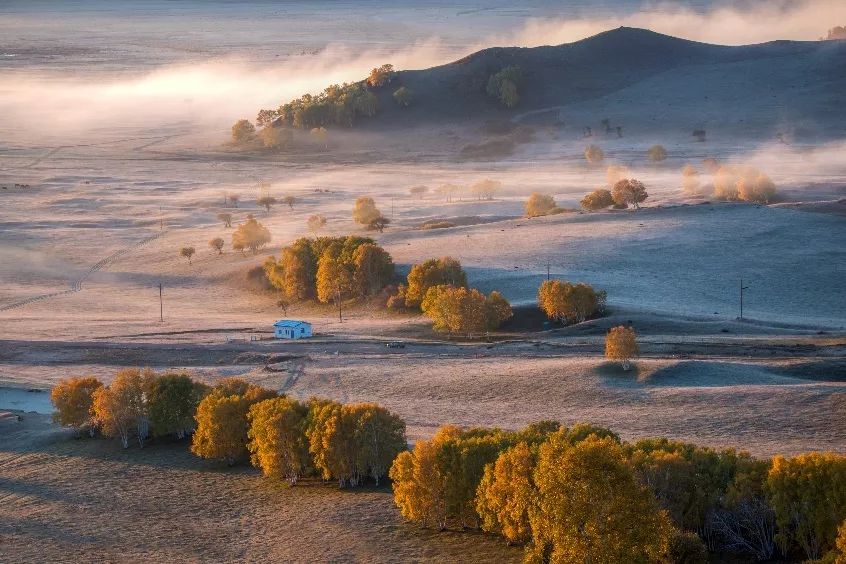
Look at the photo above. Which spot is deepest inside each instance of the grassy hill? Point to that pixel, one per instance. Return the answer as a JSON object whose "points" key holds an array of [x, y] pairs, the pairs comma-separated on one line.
{"points": [[781, 82]]}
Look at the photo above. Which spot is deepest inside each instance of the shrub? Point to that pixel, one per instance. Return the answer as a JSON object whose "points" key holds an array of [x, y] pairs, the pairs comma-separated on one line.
{"points": [[539, 205], [597, 200]]}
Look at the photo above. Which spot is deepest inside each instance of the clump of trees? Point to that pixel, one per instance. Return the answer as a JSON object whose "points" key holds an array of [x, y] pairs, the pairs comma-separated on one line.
{"points": [[418, 191], [448, 191], [335, 106], [381, 76], [403, 96], [444, 271], [486, 189], [325, 268], [657, 153], [748, 184], [366, 213], [621, 345], [566, 302], [464, 311], [594, 155], [250, 235], [273, 136], [137, 404], [540, 204], [597, 200], [629, 192], [570, 495], [503, 86], [838, 32]]}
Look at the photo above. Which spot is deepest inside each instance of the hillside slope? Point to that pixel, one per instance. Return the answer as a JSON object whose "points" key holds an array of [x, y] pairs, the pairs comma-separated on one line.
{"points": [[798, 84]]}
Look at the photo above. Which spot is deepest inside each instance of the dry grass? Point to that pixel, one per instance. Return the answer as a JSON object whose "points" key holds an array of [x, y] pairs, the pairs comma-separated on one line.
{"points": [[87, 500]]}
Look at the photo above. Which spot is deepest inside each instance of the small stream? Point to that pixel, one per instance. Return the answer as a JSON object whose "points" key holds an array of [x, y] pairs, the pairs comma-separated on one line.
{"points": [[22, 399]]}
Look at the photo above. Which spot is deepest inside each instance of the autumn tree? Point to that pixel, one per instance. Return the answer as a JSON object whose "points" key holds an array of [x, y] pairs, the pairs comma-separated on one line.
{"points": [[365, 211], [374, 269], [73, 399], [274, 137], [594, 155], [597, 200], [657, 153], [418, 191], [540, 204], [277, 440], [464, 311], [187, 252], [448, 191], [334, 278], [507, 494], [172, 400], [120, 409], [571, 303], [234, 198], [809, 499], [432, 272], [380, 76], [486, 189], [217, 244], [316, 223], [725, 183], [266, 202], [629, 192], [757, 187], [289, 201], [379, 224], [226, 218], [222, 424], [614, 173], [243, 132], [403, 96], [591, 508], [621, 345], [250, 235]]}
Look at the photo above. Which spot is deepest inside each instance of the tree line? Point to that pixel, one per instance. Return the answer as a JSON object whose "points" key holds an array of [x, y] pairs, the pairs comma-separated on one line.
{"points": [[235, 421], [581, 494]]}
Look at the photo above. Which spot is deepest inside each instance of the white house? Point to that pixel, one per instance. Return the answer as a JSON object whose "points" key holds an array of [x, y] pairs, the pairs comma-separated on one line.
{"points": [[291, 329]]}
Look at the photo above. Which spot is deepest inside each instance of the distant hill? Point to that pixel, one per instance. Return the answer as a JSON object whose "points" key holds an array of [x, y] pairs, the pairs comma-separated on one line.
{"points": [[642, 75]]}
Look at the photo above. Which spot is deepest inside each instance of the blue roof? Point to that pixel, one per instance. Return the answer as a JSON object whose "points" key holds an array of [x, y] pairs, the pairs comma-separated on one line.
{"points": [[290, 323]]}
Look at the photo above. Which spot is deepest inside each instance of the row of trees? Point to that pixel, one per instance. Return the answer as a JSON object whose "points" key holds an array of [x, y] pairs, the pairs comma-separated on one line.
{"points": [[136, 405], [581, 494], [484, 189], [287, 439], [595, 155], [235, 421], [330, 268]]}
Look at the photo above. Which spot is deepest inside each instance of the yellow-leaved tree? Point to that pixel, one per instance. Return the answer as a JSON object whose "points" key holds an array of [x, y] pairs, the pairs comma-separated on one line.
{"points": [[433, 272], [464, 311], [540, 204], [277, 439], [591, 508], [808, 494], [621, 345], [250, 235], [566, 302], [507, 494], [73, 399], [121, 409]]}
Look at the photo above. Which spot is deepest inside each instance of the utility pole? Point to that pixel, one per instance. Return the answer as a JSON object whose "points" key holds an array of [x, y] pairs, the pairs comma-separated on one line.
{"points": [[161, 219], [547, 271], [742, 287], [161, 304]]}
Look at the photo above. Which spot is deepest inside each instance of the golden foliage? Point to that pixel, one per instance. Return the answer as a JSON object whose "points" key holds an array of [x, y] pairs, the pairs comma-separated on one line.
{"points": [[566, 302], [365, 211], [507, 494], [629, 192], [539, 204], [594, 155], [621, 344], [432, 272], [461, 310], [597, 200], [808, 494], [657, 153], [277, 440], [591, 508], [250, 235], [120, 409], [73, 399]]}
